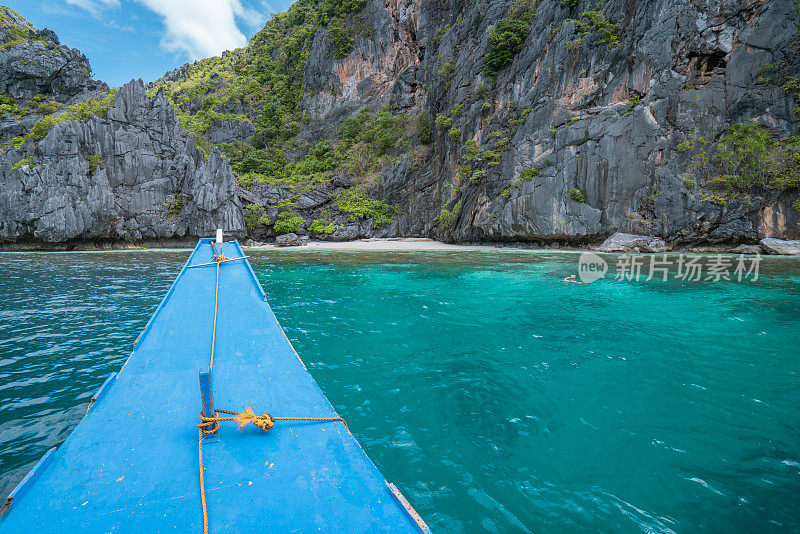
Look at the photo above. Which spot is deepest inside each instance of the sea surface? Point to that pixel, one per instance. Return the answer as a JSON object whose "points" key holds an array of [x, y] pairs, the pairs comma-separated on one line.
{"points": [[497, 397]]}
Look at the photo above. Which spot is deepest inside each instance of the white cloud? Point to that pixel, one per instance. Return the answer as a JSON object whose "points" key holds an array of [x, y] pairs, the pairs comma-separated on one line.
{"points": [[93, 6], [202, 28], [254, 18], [269, 8]]}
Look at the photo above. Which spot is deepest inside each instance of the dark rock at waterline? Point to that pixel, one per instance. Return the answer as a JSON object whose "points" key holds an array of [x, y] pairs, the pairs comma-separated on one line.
{"points": [[290, 240]]}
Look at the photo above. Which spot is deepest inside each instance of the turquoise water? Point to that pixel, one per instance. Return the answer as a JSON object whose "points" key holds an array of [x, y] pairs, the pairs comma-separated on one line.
{"points": [[496, 397]]}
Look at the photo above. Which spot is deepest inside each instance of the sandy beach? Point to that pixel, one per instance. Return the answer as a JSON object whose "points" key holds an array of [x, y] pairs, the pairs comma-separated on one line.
{"points": [[405, 244]]}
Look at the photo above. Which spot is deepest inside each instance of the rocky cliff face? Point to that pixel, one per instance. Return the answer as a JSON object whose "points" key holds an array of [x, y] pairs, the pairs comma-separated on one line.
{"points": [[132, 174], [592, 136], [507, 120], [603, 117], [129, 173], [34, 62]]}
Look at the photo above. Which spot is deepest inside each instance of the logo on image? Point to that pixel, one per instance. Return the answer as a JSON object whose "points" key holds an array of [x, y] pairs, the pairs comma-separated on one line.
{"points": [[591, 267]]}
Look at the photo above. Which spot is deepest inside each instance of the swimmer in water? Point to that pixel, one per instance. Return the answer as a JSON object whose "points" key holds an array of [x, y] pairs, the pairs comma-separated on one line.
{"points": [[571, 280]]}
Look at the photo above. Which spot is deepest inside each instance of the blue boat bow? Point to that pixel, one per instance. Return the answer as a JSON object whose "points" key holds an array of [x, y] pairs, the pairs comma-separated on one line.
{"points": [[132, 463]]}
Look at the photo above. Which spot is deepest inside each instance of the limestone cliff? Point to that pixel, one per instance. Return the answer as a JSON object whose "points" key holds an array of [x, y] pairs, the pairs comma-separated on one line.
{"points": [[604, 117], [82, 164], [601, 127], [509, 120]]}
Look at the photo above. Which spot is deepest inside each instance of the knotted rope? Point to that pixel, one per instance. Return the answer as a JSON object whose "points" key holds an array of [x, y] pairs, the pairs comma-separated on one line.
{"points": [[209, 425], [265, 421]]}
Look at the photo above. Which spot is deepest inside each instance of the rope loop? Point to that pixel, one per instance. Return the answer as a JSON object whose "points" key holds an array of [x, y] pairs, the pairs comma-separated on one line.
{"points": [[208, 425]]}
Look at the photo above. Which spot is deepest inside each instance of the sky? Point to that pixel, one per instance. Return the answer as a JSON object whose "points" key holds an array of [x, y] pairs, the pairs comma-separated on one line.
{"points": [[128, 39]]}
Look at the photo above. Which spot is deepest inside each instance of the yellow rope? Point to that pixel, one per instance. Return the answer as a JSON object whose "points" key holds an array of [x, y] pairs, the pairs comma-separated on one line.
{"points": [[218, 258], [203, 485], [226, 260], [265, 421], [209, 425]]}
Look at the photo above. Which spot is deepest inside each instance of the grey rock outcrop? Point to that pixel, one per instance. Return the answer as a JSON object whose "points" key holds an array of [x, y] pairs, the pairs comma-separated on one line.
{"points": [[290, 240], [620, 242], [130, 175], [781, 246], [229, 131], [34, 62]]}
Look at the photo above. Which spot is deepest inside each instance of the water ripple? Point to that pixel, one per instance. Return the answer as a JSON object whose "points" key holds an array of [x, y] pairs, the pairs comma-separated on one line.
{"points": [[495, 398], [66, 322]]}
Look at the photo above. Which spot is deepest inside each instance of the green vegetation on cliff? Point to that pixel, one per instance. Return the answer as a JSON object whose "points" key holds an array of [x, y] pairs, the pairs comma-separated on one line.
{"points": [[357, 203], [20, 108], [323, 226], [96, 162], [18, 165], [446, 217], [342, 34], [262, 85], [424, 127], [255, 214], [576, 194], [747, 158], [288, 222], [15, 34], [97, 106], [786, 72], [748, 155], [609, 33], [507, 37], [365, 145]]}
